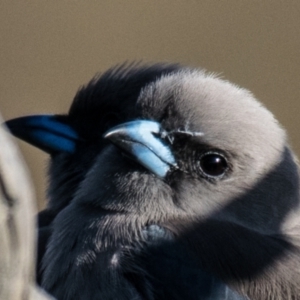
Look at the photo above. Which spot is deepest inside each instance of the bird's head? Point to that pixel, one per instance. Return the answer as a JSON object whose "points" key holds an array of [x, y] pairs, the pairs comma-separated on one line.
{"points": [[163, 142]]}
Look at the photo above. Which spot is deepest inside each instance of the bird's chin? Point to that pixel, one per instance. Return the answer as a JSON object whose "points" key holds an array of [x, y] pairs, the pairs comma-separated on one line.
{"points": [[131, 160], [109, 211]]}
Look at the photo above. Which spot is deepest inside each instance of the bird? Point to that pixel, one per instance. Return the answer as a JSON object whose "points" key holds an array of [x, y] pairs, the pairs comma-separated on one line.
{"points": [[53, 135], [166, 182]]}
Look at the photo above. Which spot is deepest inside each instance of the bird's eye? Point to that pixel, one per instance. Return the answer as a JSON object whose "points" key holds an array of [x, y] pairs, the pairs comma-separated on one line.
{"points": [[213, 164]]}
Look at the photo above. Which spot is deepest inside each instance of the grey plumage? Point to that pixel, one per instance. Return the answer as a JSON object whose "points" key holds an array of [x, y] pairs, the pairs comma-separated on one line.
{"points": [[238, 223]]}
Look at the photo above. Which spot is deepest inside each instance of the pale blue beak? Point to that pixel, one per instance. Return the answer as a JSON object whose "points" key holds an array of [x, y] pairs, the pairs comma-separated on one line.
{"points": [[141, 139]]}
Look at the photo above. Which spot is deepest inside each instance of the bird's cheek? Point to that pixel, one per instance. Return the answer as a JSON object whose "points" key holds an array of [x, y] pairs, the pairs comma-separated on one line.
{"points": [[196, 197]]}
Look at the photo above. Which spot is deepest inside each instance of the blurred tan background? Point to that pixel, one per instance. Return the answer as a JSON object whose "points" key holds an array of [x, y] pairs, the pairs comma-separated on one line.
{"points": [[50, 48]]}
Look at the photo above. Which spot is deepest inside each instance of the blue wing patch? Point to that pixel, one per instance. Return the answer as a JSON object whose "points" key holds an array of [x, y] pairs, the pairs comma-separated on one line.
{"points": [[45, 132]]}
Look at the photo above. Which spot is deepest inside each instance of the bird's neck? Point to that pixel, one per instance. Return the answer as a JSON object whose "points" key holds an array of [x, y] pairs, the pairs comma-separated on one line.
{"points": [[258, 265]]}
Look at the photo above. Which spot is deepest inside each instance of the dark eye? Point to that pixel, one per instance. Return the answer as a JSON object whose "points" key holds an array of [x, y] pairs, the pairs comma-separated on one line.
{"points": [[213, 164]]}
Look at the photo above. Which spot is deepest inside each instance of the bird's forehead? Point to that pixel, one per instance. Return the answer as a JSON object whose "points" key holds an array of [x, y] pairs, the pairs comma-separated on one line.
{"points": [[226, 114]]}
